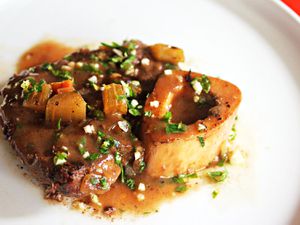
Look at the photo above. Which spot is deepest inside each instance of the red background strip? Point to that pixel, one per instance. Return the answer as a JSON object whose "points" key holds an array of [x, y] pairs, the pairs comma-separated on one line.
{"points": [[293, 4]]}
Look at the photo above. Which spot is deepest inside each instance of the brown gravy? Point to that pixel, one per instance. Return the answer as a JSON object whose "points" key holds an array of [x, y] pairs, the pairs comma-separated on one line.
{"points": [[45, 51], [124, 199], [120, 197]]}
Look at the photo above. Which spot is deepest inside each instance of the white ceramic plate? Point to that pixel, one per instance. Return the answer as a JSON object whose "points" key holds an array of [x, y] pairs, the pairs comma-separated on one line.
{"points": [[252, 43]]}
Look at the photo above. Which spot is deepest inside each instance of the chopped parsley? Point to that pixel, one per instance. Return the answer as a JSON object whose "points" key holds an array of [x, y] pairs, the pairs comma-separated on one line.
{"points": [[169, 66], [148, 113], [38, 86], [196, 86], [121, 97], [118, 159], [29, 86], [106, 145], [87, 67], [180, 178], [81, 145], [214, 194], [60, 158], [104, 64], [205, 83], [123, 177], [233, 134], [128, 63], [181, 188], [175, 128], [218, 176], [128, 90], [116, 59], [94, 180], [200, 84], [98, 114], [31, 69], [142, 166], [107, 142], [94, 58], [89, 107], [130, 183], [82, 148], [167, 117], [131, 45], [100, 135], [68, 57], [25, 85], [94, 86], [94, 156], [134, 108], [224, 158], [112, 45], [58, 126], [124, 55], [116, 143], [62, 74], [134, 112], [201, 140], [127, 47], [102, 182]]}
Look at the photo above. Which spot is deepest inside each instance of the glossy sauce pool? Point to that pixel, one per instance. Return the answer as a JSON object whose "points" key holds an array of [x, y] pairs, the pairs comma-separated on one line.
{"points": [[120, 198], [45, 51]]}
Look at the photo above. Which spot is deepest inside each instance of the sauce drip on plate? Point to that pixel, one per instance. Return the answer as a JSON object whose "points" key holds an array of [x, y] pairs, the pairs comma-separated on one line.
{"points": [[45, 51]]}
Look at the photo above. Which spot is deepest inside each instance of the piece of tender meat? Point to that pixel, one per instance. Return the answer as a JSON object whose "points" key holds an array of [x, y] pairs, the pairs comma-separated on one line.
{"points": [[38, 141], [77, 182], [104, 168], [171, 154], [33, 140]]}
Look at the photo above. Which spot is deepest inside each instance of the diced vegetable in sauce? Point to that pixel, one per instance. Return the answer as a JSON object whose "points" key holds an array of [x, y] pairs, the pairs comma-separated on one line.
{"points": [[68, 106], [63, 86], [114, 100], [103, 174], [38, 100], [167, 53]]}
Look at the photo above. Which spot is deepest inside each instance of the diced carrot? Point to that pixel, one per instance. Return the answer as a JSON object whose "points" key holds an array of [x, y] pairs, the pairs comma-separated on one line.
{"points": [[65, 89], [113, 99], [63, 84]]}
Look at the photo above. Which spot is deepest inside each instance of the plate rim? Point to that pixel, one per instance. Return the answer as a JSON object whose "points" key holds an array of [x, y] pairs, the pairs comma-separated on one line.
{"points": [[291, 13], [286, 10]]}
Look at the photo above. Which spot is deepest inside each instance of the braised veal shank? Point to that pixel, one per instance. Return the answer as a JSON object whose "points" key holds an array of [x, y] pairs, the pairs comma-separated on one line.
{"points": [[83, 122]]}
